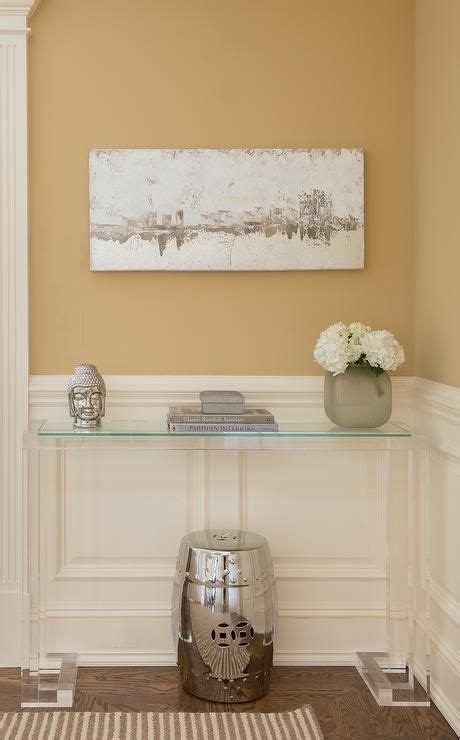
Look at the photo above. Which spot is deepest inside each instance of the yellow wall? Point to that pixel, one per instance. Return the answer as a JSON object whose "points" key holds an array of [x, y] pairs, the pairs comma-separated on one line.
{"points": [[437, 188], [245, 73]]}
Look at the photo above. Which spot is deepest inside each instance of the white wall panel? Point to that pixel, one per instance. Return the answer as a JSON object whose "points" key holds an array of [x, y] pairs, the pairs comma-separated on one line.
{"points": [[300, 502], [445, 522], [124, 506]]}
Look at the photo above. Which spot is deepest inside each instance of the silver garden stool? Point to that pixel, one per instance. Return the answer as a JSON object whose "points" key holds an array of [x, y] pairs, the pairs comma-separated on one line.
{"points": [[224, 613]]}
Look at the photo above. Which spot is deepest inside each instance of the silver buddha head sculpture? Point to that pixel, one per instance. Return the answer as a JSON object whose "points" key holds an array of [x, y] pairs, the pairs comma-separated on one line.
{"points": [[86, 393]]}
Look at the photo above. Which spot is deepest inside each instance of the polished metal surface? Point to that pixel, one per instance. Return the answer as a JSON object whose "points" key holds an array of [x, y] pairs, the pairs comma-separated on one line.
{"points": [[224, 614], [86, 394]]}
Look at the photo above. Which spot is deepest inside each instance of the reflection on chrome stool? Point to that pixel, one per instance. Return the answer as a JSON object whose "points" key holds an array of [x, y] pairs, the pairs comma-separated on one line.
{"points": [[224, 613]]}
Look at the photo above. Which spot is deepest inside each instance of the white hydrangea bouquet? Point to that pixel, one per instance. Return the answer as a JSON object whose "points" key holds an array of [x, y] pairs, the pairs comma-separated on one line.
{"points": [[341, 345]]}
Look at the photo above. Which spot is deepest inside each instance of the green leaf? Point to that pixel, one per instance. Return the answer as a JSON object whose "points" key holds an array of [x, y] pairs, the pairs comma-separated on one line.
{"points": [[377, 370]]}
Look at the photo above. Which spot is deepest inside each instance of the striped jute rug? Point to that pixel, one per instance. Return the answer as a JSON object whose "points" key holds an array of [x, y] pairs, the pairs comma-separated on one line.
{"points": [[300, 724]]}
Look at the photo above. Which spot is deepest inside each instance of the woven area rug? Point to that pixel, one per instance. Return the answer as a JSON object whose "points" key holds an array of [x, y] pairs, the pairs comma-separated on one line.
{"points": [[300, 724]]}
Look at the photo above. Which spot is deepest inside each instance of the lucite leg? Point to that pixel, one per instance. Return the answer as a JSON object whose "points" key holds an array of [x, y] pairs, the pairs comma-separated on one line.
{"points": [[51, 687], [48, 679], [390, 675]]}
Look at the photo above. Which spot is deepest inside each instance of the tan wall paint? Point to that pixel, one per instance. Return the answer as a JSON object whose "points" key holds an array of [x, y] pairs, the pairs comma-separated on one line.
{"points": [[437, 188], [171, 73]]}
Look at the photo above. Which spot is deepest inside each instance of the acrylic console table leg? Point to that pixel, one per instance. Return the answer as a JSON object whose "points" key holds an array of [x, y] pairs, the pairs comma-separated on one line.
{"points": [[48, 679], [390, 675], [51, 687]]}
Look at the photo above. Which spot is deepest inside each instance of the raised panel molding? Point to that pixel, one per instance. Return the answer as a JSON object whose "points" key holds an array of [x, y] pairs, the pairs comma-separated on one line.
{"points": [[69, 567], [292, 611], [119, 569], [437, 414], [447, 603], [164, 568]]}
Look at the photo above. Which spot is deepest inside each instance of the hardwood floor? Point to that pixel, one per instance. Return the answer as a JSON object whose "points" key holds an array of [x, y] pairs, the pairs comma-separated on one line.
{"points": [[340, 699]]}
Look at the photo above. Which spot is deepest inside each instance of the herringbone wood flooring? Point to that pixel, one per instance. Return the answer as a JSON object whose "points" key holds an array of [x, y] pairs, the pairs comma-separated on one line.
{"points": [[340, 699]]}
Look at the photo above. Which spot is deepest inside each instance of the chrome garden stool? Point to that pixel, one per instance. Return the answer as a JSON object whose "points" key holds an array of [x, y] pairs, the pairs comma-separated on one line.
{"points": [[224, 614]]}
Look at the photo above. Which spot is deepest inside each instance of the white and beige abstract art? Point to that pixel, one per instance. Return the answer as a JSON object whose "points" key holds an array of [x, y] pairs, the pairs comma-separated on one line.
{"points": [[226, 209]]}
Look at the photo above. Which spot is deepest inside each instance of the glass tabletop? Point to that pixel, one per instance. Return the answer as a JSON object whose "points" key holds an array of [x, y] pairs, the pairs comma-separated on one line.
{"points": [[114, 428]]}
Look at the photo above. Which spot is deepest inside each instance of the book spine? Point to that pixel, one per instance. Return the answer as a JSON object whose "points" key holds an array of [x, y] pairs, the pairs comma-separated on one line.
{"points": [[221, 419], [222, 428]]}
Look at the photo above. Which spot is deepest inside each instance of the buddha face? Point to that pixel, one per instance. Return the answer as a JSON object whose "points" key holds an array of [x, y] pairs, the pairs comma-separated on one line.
{"points": [[86, 394], [86, 405]]}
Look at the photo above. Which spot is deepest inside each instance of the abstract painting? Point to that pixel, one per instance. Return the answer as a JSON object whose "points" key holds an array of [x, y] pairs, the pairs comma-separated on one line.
{"points": [[226, 209]]}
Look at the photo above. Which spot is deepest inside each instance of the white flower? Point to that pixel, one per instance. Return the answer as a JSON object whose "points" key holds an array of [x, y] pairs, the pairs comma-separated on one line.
{"points": [[341, 345], [399, 357], [354, 351], [382, 350], [333, 351], [357, 331]]}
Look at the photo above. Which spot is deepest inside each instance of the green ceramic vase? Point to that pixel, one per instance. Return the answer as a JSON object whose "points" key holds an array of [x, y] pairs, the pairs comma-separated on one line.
{"points": [[358, 398]]}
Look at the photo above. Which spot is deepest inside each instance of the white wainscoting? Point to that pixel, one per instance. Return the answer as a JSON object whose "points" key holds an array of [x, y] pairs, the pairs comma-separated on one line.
{"points": [[437, 414], [116, 525]]}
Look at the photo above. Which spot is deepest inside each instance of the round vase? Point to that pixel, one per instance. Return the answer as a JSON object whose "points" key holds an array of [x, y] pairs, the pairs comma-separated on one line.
{"points": [[357, 398]]}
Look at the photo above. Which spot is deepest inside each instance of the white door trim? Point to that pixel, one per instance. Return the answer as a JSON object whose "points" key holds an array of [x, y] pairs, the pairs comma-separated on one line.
{"points": [[14, 340]]}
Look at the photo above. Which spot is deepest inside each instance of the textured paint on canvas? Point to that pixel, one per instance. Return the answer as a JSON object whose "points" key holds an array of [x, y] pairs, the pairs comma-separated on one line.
{"points": [[226, 209]]}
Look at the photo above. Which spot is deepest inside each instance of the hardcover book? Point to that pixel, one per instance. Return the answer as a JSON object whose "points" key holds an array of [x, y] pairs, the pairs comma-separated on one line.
{"points": [[193, 415], [221, 428]]}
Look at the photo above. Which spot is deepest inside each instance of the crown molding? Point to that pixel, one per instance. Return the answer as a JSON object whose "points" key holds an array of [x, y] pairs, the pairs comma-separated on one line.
{"points": [[14, 15], [18, 7]]}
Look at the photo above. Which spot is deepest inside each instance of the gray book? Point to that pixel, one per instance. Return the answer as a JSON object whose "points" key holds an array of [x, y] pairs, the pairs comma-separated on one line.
{"points": [[221, 428], [193, 415]]}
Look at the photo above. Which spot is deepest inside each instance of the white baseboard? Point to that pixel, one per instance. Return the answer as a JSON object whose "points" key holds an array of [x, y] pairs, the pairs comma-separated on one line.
{"points": [[446, 707], [286, 658]]}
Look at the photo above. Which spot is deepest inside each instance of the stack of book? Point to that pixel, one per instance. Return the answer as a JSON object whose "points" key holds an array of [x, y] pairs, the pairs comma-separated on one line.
{"points": [[191, 419]]}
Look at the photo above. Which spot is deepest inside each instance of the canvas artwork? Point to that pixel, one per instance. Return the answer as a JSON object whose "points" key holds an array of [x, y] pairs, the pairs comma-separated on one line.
{"points": [[226, 209]]}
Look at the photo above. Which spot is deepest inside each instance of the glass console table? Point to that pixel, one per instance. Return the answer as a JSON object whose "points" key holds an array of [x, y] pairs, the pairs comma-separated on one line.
{"points": [[49, 678]]}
